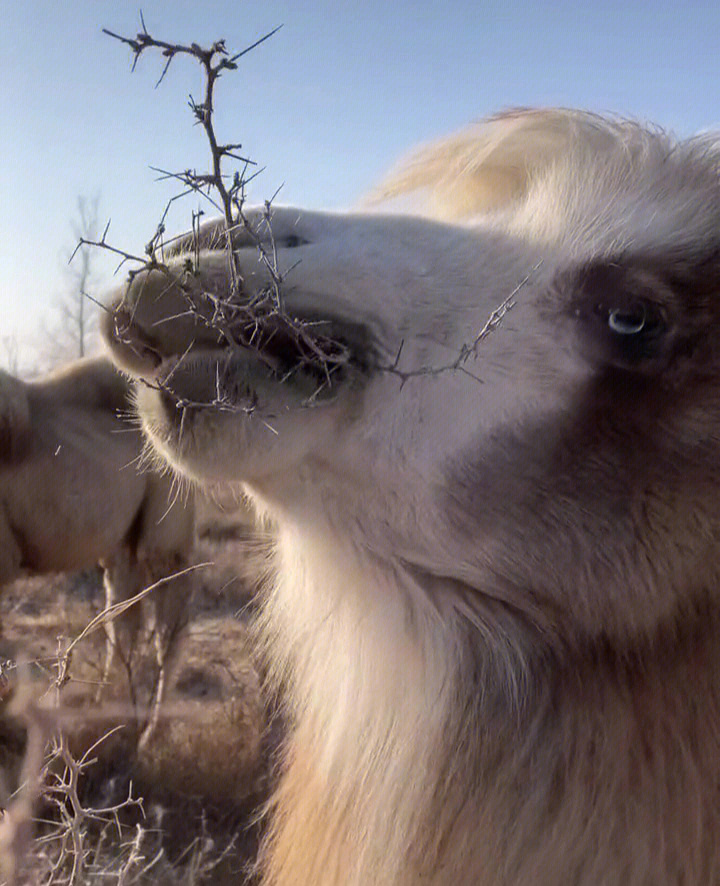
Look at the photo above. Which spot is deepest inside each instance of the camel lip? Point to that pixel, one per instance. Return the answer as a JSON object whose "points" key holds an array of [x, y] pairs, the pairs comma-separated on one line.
{"points": [[204, 363], [242, 378], [206, 379], [283, 347]]}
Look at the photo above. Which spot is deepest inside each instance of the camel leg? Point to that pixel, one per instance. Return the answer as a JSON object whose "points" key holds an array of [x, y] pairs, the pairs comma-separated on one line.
{"points": [[154, 622], [122, 580], [10, 554], [165, 545], [167, 608]]}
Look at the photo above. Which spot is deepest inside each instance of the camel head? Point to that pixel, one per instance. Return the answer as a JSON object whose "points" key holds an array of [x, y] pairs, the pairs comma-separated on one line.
{"points": [[511, 388]]}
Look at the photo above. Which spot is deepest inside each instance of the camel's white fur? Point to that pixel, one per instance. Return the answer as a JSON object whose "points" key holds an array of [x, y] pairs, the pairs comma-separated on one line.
{"points": [[72, 493], [497, 605]]}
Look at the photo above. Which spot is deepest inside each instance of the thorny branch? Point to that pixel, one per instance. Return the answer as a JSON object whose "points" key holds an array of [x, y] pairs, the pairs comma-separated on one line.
{"points": [[214, 60], [469, 348], [63, 789], [242, 322], [109, 613], [239, 322], [56, 776], [87, 837]]}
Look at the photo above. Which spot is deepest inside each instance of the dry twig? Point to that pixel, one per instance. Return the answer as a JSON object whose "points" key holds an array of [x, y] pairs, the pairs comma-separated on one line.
{"points": [[242, 322]]}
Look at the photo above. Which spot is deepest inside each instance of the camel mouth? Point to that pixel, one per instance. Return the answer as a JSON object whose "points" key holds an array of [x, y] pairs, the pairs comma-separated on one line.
{"points": [[310, 359], [290, 346], [160, 325]]}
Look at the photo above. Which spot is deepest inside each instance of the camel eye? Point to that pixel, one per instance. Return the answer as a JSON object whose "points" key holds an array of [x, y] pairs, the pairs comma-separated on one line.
{"points": [[639, 318], [627, 322]]}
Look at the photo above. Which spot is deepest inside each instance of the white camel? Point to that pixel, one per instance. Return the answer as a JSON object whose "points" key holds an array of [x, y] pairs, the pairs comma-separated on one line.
{"points": [[496, 611], [72, 495]]}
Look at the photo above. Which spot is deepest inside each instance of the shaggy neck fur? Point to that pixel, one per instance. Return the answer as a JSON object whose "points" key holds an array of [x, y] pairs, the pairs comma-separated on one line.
{"points": [[429, 742]]}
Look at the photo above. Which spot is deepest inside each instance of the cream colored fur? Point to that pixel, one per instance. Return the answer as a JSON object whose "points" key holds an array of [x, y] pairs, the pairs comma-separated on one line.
{"points": [[495, 615]]}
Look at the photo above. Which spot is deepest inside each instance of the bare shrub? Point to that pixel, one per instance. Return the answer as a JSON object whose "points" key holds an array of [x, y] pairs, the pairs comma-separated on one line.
{"points": [[91, 806]]}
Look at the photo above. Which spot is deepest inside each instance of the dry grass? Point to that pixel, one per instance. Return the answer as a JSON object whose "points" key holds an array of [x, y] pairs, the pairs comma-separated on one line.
{"points": [[201, 776]]}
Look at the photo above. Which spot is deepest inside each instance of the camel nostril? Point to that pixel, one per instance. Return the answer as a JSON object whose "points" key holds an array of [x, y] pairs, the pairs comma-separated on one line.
{"points": [[132, 348], [149, 356]]}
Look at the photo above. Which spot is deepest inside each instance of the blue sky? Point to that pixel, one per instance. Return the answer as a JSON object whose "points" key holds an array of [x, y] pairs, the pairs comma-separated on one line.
{"points": [[325, 106]]}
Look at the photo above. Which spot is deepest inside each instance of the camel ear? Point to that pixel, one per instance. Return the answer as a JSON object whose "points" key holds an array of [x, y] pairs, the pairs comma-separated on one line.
{"points": [[488, 166], [14, 416]]}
